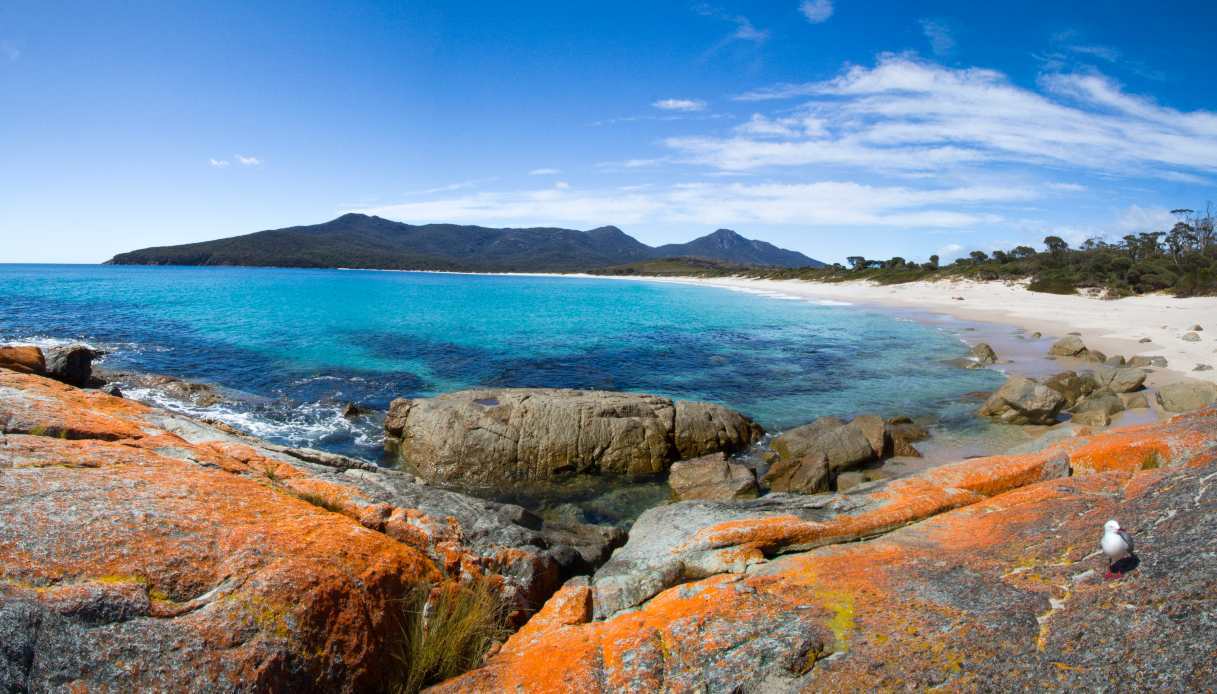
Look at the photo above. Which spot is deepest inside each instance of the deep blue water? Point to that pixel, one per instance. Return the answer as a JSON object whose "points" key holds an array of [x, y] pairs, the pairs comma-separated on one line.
{"points": [[301, 343]]}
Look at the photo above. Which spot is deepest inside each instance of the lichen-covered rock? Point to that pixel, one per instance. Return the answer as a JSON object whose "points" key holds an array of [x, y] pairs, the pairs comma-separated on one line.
{"points": [[25, 359], [490, 436], [1186, 396], [1003, 590], [711, 477], [1023, 401]]}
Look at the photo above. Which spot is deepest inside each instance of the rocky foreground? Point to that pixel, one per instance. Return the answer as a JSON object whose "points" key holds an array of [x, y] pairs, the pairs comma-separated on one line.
{"points": [[147, 551]]}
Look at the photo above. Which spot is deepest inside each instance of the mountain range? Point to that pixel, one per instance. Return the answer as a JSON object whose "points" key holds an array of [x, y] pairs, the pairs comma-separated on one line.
{"points": [[362, 241]]}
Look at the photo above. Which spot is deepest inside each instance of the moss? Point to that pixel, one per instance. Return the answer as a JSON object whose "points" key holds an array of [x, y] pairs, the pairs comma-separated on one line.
{"points": [[1151, 460], [841, 604]]}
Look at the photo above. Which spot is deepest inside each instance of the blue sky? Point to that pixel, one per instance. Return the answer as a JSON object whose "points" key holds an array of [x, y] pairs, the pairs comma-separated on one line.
{"points": [[828, 126]]}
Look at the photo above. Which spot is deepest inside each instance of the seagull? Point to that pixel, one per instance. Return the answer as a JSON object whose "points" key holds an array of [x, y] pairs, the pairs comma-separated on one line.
{"points": [[1117, 545]]}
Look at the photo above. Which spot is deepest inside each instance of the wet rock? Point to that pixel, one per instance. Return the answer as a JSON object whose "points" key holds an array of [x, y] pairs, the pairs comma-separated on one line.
{"points": [[902, 433], [875, 430], [200, 394], [843, 445], [1119, 380], [1134, 401], [112, 389], [711, 477], [1190, 337], [519, 435], [807, 474], [984, 354], [1068, 346], [354, 411], [1023, 401], [24, 359], [72, 364], [1186, 396]]}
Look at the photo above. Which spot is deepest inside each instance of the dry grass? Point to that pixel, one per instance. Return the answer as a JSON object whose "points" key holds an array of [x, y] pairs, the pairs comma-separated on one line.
{"points": [[318, 500], [445, 632]]}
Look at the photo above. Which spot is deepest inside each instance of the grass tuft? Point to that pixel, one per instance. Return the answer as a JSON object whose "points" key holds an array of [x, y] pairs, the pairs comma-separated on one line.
{"points": [[318, 500], [443, 632]]}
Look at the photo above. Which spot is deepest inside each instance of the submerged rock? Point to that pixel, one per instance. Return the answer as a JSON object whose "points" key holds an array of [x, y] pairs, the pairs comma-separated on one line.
{"points": [[492, 436], [1023, 401], [711, 477]]}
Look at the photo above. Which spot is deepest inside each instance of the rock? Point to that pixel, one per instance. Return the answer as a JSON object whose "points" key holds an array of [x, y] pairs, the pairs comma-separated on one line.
{"points": [[842, 445], [1115, 360], [1072, 386], [1145, 340], [353, 410], [1093, 355], [1134, 401], [996, 589], [1068, 346], [1197, 329], [1119, 380], [1100, 401], [1190, 337], [1144, 361], [24, 359], [1023, 401], [1091, 418], [1186, 396], [849, 479], [488, 437], [200, 394], [72, 365], [984, 354], [807, 474], [901, 436], [711, 477], [112, 389], [875, 430], [1036, 335], [1202, 367]]}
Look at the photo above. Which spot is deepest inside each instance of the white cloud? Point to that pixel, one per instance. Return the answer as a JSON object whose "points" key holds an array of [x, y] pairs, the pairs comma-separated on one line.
{"points": [[680, 105], [1111, 55], [248, 160], [942, 41], [1067, 187], [905, 115], [218, 163], [825, 204], [544, 172], [816, 11], [9, 50], [744, 28], [1136, 220], [561, 185]]}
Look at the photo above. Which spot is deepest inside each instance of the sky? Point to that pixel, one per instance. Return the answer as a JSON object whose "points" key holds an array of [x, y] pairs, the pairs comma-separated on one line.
{"points": [[832, 127]]}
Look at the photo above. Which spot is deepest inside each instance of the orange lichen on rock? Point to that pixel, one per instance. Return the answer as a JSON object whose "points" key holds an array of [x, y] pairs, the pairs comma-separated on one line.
{"points": [[25, 359]]}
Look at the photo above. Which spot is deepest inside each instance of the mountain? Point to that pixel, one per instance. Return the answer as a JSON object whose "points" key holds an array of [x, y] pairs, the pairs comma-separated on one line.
{"points": [[730, 247], [362, 241]]}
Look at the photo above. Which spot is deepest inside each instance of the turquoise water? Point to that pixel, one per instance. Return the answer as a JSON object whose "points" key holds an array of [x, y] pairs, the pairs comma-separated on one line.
{"points": [[300, 343]]}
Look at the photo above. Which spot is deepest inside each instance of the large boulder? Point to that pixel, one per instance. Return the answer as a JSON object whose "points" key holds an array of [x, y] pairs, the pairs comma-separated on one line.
{"points": [[843, 445], [1119, 380], [711, 477], [902, 433], [1103, 401], [1068, 346], [875, 430], [1144, 361], [25, 359], [485, 437], [807, 474], [1072, 386], [1186, 396], [1023, 401], [983, 354], [72, 364]]}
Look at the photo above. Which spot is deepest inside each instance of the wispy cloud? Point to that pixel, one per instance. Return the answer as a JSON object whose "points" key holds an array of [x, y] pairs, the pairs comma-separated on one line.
{"points": [[824, 203], [942, 40], [450, 187], [248, 160], [1106, 53], [544, 172], [680, 105], [1067, 187], [218, 163], [816, 11], [9, 50], [906, 115], [744, 30]]}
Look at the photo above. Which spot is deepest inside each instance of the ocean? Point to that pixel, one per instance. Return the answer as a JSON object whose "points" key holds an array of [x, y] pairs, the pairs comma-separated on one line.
{"points": [[293, 346]]}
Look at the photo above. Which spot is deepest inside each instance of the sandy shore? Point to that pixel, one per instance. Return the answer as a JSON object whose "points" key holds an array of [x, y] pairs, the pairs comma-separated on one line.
{"points": [[1114, 327]]}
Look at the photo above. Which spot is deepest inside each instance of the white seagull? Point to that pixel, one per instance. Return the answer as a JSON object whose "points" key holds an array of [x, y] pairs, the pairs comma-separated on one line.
{"points": [[1116, 544]]}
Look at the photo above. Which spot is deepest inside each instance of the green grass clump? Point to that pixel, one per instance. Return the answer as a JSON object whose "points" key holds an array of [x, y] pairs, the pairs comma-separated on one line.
{"points": [[444, 632]]}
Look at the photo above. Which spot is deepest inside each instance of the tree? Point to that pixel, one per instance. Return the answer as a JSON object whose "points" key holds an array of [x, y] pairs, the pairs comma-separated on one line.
{"points": [[1021, 252], [978, 256], [856, 262], [896, 262], [934, 262], [1055, 245], [1001, 257]]}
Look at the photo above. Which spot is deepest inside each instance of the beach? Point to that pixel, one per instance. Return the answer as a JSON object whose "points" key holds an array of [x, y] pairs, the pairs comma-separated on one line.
{"points": [[1112, 326]]}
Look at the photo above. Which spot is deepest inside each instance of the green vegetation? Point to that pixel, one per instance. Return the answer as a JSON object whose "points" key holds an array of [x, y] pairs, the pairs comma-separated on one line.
{"points": [[445, 632], [1182, 261]]}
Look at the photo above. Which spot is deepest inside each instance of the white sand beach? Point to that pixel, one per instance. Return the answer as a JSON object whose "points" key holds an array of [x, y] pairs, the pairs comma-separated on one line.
{"points": [[1112, 326]]}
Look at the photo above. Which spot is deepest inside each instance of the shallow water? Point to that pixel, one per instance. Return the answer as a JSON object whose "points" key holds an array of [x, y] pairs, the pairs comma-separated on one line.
{"points": [[301, 343]]}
